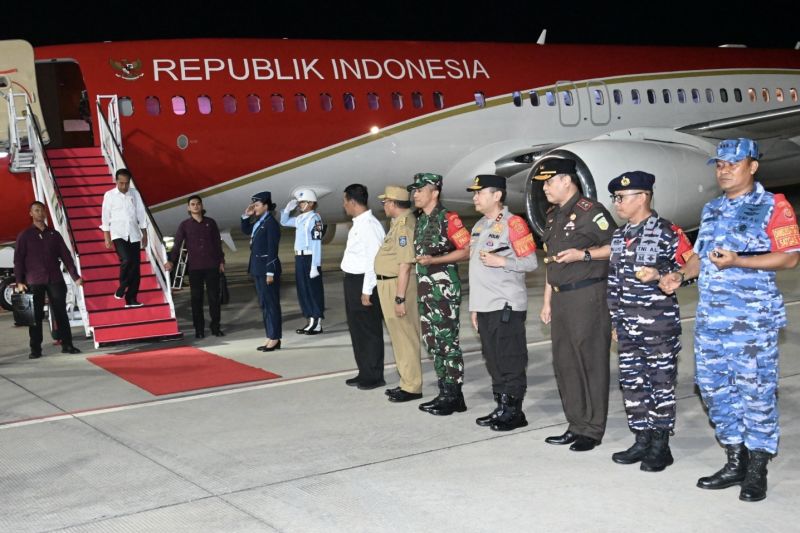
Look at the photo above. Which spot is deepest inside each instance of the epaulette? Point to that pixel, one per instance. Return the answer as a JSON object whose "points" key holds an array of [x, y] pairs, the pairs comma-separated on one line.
{"points": [[584, 204], [401, 221]]}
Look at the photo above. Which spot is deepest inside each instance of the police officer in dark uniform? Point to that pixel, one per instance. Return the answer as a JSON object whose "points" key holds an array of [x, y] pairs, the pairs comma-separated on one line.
{"points": [[576, 239]]}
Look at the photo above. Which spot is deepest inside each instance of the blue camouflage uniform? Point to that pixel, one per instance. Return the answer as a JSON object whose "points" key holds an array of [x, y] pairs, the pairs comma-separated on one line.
{"points": [[739, 313]]}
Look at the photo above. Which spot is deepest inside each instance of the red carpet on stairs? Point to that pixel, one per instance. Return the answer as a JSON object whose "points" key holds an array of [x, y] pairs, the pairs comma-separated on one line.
{"points": [[178, 369]]}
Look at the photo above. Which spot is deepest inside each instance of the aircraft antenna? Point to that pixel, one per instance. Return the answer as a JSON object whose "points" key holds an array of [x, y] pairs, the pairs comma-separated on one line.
{"points": [[543, 36]]}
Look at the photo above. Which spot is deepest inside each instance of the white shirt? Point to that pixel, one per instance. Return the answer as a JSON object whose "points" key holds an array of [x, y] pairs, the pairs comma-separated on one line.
{"points": [[363, 242], [124, 215]]}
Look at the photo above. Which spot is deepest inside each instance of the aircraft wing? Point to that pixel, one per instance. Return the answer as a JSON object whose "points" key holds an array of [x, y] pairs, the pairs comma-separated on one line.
{"points": [[775, 124]]}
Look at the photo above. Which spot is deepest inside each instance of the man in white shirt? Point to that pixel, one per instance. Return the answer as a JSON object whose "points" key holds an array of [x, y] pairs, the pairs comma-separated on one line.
{"points": [[124, 221], [361, 303]]}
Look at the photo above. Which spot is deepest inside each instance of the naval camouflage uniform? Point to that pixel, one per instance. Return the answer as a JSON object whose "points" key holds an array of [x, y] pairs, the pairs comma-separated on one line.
{"points": [[439, 290], [580, 325], [646, 320], [739, 313]]}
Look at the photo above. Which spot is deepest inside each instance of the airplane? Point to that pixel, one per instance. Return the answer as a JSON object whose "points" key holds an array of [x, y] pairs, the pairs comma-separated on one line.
{"points": [[227, 118]]}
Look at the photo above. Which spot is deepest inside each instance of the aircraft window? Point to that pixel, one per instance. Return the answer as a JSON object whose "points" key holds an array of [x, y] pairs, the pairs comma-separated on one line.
{"points": [[276, 102], [152, 105], [696, 96], [301, 102], [598, 97], [534, 97], [438, 100], [779, 95], [254, 103], [617, 97], [737, 95], [516, 96], [397, 100], [204, 104], [178, 105], [229, 103], [373, 102], [651, 96], [349, 102], [751, 94], [681, 96], [635, 97], [550, 97], [793, 94], [710, 96], [416, 100], [723, 95], [125, 105], [326, 101], [567, 97], [667, 95], [765, 94]]}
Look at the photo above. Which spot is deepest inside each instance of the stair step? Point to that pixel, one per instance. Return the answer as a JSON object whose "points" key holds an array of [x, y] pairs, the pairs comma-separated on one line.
{"points": [[136, 332], [120, 317], [69, 181], [77, 162], [99, 287], [111, 272], [85, 224], [82, 212], [106, 302], [106, 259], [81, 171], [90, 234], [83, 201], [94, 247], [70, 191], [85, 151]]}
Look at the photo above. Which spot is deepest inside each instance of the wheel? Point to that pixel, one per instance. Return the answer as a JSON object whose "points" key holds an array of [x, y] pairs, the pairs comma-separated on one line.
{"points": [[6, 290]]}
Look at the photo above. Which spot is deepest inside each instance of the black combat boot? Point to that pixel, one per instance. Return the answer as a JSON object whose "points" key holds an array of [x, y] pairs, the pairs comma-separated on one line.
{"points": [[491, 417], [511, 417], [427, 406], [451, 402], [635, 453], [658, 455], [754, 486], [732, 473]]}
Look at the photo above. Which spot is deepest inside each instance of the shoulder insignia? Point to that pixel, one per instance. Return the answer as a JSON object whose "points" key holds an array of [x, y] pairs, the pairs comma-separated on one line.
{"points": [[584, 204], [600, 220]]}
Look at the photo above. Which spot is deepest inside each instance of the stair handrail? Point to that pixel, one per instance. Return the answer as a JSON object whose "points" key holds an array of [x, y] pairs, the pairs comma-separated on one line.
{"points": [[46, 190], [14, 140], [111, 145]]}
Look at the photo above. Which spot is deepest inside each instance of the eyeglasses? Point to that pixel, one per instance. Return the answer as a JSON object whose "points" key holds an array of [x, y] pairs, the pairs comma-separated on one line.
{"points": [[617, 198]]}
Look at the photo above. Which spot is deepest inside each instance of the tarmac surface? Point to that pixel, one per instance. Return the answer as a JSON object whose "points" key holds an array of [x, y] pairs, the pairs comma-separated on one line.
{"points": [[82, 450]]}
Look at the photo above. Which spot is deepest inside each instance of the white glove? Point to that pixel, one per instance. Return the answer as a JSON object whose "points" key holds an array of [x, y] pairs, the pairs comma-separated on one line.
{"points": [[290, 206], [314, 272]]}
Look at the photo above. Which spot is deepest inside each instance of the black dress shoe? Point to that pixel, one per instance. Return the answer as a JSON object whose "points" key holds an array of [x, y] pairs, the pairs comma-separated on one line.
{"points": [[584, 444], [276, 346], [313, 331], [199, 335], [389, 392], [69, 349], [369, 385], [567, 438], [403, 396], [34, 355], [217, 332], [352, 382], [300, 331]]}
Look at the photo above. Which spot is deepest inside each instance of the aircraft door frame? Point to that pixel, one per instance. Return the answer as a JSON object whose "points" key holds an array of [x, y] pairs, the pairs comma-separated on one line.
{"points": [[569, 107], [600, 114]]}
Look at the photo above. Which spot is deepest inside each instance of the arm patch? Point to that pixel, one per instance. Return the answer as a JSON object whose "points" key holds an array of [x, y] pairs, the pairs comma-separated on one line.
{"points": [[456, 232], [520, 237], [685, 250], [782, 229]]}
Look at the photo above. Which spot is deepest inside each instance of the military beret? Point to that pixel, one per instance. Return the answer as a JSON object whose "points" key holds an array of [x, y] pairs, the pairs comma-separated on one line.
{"points": [[552, 167], [425, 178], [634, 180], [487, 180]]}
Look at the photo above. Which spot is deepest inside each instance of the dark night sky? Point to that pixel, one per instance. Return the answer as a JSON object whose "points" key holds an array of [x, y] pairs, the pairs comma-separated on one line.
{"points": [[773, 23]]}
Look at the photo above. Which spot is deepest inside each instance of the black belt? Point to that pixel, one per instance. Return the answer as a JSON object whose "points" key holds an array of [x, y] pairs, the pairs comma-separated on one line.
{"points": [[384, 277], [577, 285]]}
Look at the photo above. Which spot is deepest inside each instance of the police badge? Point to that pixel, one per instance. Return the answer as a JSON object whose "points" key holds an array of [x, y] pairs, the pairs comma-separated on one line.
{"points": [[402, 241]]}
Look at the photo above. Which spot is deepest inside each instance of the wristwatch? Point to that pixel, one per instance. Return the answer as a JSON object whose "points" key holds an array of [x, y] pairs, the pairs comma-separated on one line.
{"points": [[682, 274], [587, 256], [399, 300]]}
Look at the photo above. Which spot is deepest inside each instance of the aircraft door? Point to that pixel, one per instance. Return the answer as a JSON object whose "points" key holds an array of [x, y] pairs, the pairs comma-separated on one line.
{"points": [[599, 106], [65, 104], [17, 75], [569, 105]]}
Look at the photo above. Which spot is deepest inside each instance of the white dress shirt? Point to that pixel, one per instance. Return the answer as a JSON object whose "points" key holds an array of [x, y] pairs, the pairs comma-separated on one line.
{"points": [[363, 242], [124, 215]]}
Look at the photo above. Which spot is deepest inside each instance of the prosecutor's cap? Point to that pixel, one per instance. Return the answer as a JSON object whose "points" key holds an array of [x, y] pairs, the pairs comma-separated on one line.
{"points": [[393, 192], [734, 150], [263, 197], [551, 167], [633, 180], [487, 180], [425, 178]]}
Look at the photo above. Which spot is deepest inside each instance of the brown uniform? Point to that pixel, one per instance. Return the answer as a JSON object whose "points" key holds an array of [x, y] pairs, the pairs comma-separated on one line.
{"points": [[404, 331], [581, 326]]}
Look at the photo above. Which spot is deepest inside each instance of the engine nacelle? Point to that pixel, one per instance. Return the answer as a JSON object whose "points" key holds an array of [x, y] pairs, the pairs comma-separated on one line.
{"points": [[684, 183]]}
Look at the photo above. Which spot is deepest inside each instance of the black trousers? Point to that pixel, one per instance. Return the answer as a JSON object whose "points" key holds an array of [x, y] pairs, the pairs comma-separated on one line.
{"points": [[505, 351], [366, 328], [129, 260], [57, 294], [198, 279]]}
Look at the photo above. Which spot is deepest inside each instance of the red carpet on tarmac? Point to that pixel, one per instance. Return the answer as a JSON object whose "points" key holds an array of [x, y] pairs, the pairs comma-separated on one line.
{"points": [[178, 370]]}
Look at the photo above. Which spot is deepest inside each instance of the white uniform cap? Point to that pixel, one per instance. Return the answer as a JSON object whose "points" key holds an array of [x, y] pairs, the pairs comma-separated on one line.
{"points": [[305, 195]]}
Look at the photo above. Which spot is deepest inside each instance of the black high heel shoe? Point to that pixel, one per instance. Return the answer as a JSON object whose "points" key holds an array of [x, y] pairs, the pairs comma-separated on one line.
{"points": [[276, 346]]}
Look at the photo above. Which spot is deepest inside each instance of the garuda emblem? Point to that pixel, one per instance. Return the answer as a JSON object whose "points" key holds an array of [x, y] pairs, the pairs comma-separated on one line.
{"points": [[127, 70]]}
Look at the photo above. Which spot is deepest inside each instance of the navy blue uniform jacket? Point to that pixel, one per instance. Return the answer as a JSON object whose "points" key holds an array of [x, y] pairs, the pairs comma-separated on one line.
{"points": [[264, 246]]}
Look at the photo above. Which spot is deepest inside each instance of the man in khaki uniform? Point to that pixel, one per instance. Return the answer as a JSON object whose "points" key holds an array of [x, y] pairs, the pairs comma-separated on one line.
{"points": [[396, 284]]}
